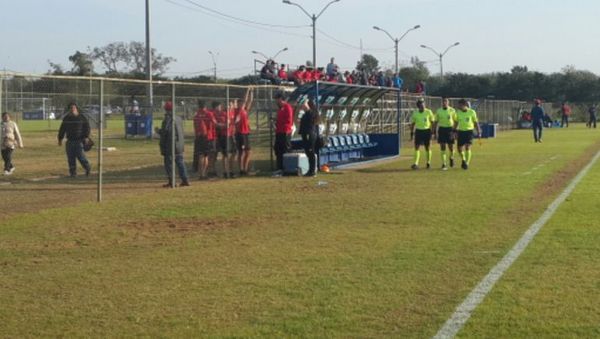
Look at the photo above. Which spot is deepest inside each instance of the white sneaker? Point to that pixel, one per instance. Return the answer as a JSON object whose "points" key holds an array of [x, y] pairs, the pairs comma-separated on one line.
{"points": [[6, 173], [12, 170], [277, 174]]}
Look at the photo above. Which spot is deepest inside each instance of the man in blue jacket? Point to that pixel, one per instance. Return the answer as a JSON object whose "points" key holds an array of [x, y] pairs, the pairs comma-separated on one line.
{"points": [[537, 120]]}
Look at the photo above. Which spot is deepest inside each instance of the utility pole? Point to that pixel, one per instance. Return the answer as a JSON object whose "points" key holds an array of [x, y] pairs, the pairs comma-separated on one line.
{"points": [[149, 94]]}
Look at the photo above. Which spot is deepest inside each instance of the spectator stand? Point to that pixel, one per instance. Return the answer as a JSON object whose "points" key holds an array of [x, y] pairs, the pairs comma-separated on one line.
{"points": [[355, 122]]}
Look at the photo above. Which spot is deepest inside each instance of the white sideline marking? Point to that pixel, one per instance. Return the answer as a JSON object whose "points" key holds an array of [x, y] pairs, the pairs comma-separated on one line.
{"points": [[463, 312]]}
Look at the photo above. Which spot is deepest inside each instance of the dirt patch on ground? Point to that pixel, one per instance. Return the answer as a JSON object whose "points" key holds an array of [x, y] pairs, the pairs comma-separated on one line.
{"points": [[559, 180], [189, 225]]}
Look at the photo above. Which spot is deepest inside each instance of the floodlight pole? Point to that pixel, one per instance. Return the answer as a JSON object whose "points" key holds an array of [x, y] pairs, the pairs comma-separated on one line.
{"points": [[396, 41], [313, 18], [149, 93], [441, 56], [214, 59]]}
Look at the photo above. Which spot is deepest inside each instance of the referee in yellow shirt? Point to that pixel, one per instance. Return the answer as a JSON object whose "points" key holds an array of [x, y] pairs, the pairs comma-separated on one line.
{"points": [[444, 124], [466, 123], [421, 128]]}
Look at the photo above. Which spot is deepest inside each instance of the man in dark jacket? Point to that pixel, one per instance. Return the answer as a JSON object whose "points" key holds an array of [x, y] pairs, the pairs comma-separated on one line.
{"points": [[77, 130], [309, 130], [537, 120], [166, 146]]}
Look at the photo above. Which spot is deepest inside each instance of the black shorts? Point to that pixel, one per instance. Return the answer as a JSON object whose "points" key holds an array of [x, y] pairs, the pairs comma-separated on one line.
{"points": [[423, 137], [465, 138], [203, 146], [445, 135], [226, 145], [242, 141]]}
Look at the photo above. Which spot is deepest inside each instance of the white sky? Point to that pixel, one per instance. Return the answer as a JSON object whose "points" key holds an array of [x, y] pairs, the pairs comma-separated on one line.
{"points": [[494, 34]]}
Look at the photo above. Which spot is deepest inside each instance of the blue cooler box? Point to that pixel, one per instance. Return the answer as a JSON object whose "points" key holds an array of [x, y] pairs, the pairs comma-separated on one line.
{"points": [[295, 164]]}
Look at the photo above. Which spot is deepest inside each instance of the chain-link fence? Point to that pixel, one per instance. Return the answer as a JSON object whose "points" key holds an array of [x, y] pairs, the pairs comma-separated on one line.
{"points": [[128, 146]]}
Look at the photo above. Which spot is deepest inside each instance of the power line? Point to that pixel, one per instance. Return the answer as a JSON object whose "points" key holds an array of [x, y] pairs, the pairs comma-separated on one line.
{"points": [[256, 26], [241, 19], [347, 45]]}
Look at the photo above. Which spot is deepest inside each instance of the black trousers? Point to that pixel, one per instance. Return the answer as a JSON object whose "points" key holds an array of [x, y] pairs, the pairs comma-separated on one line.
{"points": [[309, 142], [283, 143], [7, 157], [592, 122], [564, 121], [537, 130]]}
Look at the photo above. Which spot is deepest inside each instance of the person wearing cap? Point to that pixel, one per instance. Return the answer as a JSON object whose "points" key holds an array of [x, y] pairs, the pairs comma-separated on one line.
{"points": [[166, 132], [466, 122], [537, 120], [421, 128], [76, 128], [283, 130]]}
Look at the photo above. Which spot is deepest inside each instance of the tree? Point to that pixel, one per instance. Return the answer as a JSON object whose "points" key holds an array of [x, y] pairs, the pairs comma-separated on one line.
{"points": [[416, 72], [121, 58], [368, 64], [112, 56], [82, 63], [55, 69]]}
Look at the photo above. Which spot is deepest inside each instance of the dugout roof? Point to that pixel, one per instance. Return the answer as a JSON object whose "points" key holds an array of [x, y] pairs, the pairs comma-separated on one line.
{"points": [[340, 96]]}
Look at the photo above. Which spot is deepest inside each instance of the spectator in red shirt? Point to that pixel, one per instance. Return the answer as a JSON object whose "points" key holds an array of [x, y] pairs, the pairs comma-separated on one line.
{"points": [[308, 75], [565, 112], [349, 77], [299, 76], [318, 74], [283, 130], [283, 73], [242, 131], [204, 145], [225, 137]]}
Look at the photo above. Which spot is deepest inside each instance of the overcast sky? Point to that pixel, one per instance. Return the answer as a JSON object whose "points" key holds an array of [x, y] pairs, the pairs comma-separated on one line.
{"points": [[545, 35]]}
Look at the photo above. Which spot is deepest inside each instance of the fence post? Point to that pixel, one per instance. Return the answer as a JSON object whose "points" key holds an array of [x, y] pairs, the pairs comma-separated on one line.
{"points": [[227, 122], [1, 83], [173, 132], [399, 112], [270, 126], [100, 141]]}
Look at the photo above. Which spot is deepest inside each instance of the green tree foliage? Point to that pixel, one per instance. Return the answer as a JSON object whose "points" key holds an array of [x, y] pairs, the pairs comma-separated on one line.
{"points": [[82, 63], [368, 64], [416, 72]]}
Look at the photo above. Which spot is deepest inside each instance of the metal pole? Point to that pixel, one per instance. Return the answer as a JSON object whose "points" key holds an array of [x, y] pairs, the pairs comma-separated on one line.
{"points": [[270, 123], [149, 94], [399, 127], [397, 65], [215, 64], [314, 26], [441, 67], [1, 83], [173, 139], [227, 122], [100, 142]]}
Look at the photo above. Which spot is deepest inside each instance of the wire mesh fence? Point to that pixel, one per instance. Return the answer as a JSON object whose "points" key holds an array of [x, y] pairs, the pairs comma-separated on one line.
{"points": [[129, 142]]}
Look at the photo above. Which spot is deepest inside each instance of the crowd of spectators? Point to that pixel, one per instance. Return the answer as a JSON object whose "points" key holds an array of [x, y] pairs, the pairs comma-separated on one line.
{"points": [[277, 75]]}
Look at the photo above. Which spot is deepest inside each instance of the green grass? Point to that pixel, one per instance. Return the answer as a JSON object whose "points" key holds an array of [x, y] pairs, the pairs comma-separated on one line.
{"points": [[554, 288], [377, 252]]}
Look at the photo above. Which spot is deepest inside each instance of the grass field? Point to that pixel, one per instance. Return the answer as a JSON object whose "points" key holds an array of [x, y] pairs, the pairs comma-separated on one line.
{"points": [[376, 252]]}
